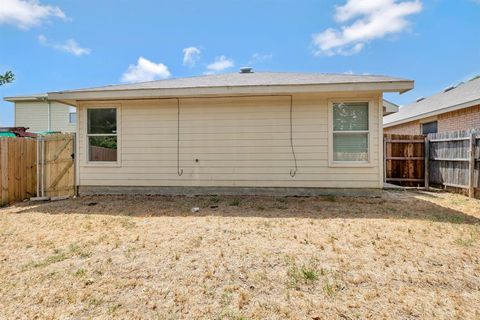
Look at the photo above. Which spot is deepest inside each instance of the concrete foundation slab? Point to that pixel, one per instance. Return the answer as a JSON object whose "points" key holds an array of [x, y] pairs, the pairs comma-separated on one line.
{"points": [[239, 191]]}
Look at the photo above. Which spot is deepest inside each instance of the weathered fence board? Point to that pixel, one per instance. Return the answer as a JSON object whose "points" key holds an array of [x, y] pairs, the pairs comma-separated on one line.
{"points": [[404, 159], [455, 160], [17, 169], [451, 160]]}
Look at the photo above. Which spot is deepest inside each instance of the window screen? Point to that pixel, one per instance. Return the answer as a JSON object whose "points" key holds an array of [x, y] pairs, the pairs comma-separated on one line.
{"points": [[350, 131]]}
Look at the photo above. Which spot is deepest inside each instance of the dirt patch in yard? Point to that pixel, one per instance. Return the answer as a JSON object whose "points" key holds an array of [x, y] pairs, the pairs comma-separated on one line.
{"points": [[403, 255]]}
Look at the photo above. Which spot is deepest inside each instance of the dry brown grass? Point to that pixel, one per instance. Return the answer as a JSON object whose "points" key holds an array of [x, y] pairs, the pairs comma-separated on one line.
{"points": [[402, 256]]}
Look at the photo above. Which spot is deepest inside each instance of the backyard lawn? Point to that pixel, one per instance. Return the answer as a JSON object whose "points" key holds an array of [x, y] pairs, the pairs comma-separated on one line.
{"points": [[404, 255]]}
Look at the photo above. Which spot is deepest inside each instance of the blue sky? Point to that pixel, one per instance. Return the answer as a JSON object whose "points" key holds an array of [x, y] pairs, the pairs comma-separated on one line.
{"points": [[54, 45]]}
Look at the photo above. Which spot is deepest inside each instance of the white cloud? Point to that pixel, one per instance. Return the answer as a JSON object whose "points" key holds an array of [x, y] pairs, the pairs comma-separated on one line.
{"points": [[70, 46], [260, 57], [221, 63], [145, 70], [372, 19], [190, 56], [25, 14]]}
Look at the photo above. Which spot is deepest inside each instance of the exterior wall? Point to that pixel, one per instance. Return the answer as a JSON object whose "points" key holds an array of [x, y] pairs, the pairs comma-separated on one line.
{"points": [[464, 119], [60, 118], [412, 128], [34, 115], [239, 142]]}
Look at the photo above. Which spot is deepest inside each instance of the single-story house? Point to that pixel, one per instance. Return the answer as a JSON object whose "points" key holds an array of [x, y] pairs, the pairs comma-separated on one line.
{"points": [[243, 130], [39, 114], [455, 108]]}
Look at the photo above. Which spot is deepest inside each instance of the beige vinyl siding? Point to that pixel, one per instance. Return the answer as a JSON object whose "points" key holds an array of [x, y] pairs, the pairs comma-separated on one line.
{"points": [[34, 115], [31, 114], [60, 118], [238, 142]]}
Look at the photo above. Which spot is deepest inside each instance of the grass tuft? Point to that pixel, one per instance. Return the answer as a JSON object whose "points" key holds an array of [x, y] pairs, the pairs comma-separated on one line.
{"points": [[235, 202], [80, 272]]}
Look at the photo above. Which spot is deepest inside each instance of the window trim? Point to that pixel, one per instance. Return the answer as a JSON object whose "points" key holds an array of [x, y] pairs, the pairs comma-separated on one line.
{"points": [[89, 163], [369, 132]]}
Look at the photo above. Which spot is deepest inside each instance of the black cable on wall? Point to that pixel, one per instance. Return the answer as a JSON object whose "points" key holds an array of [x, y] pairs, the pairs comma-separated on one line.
{"points": [[293, 171]]}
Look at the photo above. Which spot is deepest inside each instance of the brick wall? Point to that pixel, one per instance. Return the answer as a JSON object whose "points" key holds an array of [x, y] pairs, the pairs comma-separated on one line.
{"points": [[412, 127], [463, 119]]}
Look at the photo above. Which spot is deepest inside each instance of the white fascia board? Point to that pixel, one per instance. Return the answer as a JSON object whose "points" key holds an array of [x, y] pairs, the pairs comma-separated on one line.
{"points": [[400, 86], [434, 113], [26, 98]]}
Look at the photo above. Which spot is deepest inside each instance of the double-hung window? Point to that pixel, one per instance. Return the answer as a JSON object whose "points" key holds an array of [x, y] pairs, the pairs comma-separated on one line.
{"points": [[102, 134], [350, 132]]}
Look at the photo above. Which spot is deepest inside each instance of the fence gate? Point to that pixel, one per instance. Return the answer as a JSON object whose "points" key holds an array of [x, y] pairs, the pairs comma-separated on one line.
{"points": [[404, 159], [56, 170]]}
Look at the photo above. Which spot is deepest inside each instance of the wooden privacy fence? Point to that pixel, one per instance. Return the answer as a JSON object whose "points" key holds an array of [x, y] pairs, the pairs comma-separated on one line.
{"points": [[17, 169], [447, 159], [454, 160], [23, 177], [404, 159]]}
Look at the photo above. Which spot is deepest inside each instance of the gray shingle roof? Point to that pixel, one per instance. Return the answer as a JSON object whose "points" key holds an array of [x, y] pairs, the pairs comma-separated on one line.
{"points": [[436, 104], [248, 79]]}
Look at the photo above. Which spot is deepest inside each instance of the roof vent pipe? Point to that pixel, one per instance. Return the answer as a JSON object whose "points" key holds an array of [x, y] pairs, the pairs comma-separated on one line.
{"points": [[420, 99], [448, 88], [246, 70]]}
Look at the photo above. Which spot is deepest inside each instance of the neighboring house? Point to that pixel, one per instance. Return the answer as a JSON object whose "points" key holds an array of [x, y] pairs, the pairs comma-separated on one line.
{"points": [[39, 114], [455, 108], [389, 107], [232, 130]]}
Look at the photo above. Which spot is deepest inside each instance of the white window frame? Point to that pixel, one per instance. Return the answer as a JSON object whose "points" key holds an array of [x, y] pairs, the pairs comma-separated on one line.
{"points": [[369, 132], [117, 108]]}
